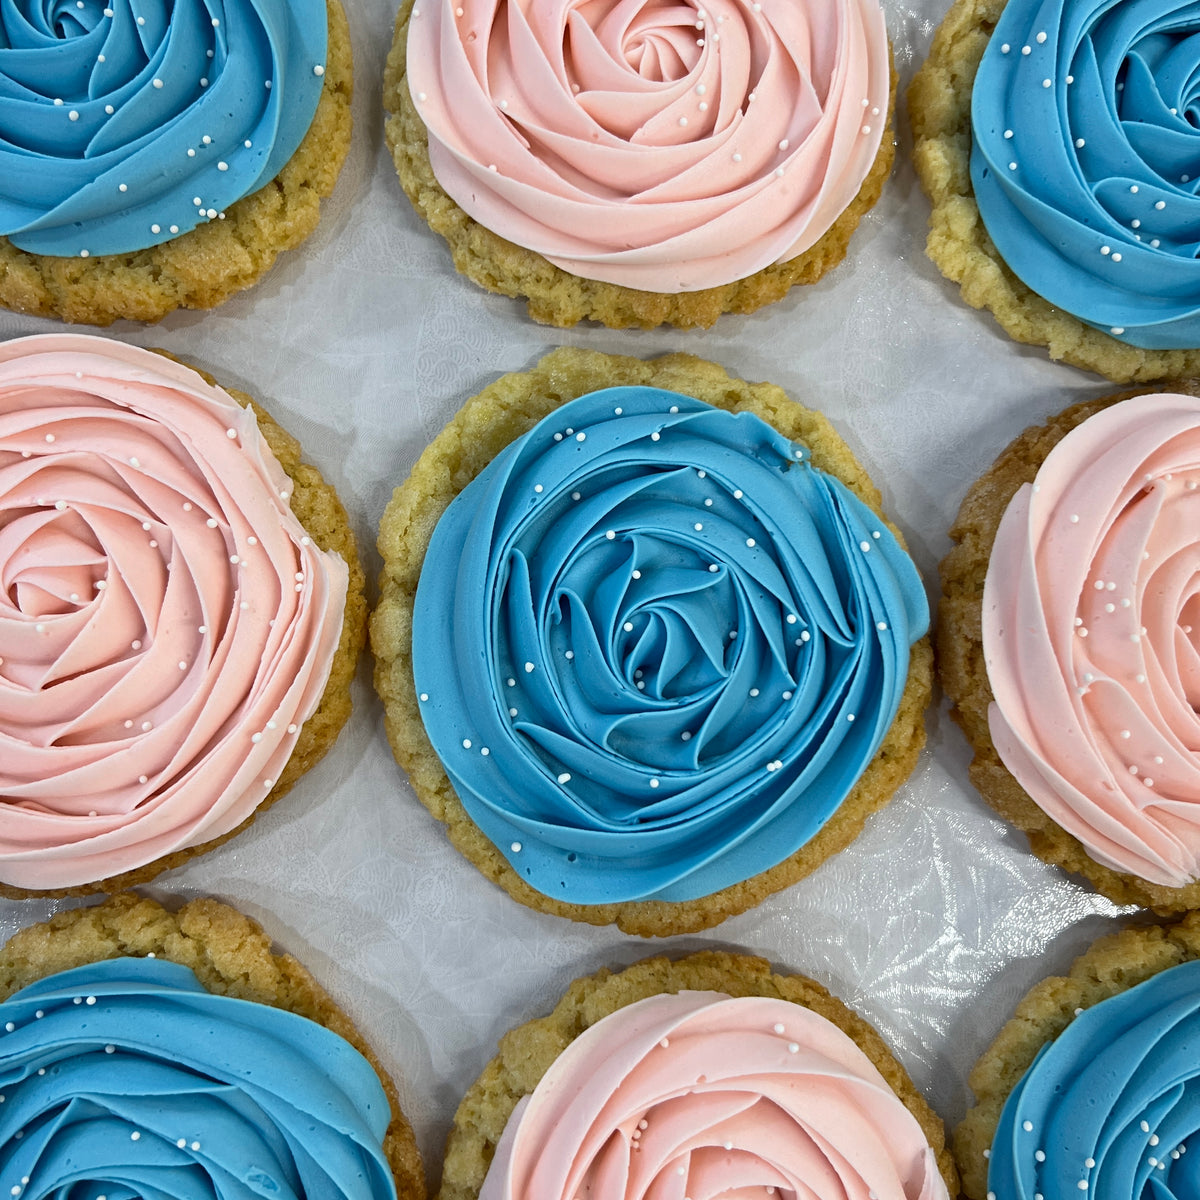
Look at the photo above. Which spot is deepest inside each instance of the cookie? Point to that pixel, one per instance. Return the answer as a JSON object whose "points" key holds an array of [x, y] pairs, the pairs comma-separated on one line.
{"points": [[636, 1033], [182, 620], [684, 677], [250, 158], [280, 1089], [1068, 660], [1060, 211], [515, 186], [1127, 1005]]}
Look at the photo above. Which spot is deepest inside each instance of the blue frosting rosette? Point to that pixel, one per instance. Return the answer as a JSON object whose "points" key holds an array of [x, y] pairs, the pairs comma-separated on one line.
{"points": [[655, 648], [1085, 160], [1111, 1108], [125, 123], [126, 1079]]}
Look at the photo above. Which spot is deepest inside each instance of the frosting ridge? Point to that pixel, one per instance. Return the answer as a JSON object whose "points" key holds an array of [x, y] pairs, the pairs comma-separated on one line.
{"points": [[654, 648], [699, 1094], [126, 1077], [166, 625], [667, 147], [1085, 161], [1091, 629], [1110, 1105], [123, 125]]}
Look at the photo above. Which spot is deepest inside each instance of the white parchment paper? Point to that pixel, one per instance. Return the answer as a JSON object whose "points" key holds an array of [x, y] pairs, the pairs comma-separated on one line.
{"points": [[363, 343]]}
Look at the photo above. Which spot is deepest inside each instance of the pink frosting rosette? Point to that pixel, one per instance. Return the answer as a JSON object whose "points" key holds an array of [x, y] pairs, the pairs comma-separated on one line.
{"points": [[1091, 635], [667, 146], [699, 1095], [166, 625]]}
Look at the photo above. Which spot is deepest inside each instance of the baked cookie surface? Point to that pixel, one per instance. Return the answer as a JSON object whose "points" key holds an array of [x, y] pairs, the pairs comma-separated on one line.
{"points": [[1119, 764], [560, 297], [939, 102], [206, 265], [230, 956], [137, 680], [482, 430], [529, 1051], [1108, 970]]}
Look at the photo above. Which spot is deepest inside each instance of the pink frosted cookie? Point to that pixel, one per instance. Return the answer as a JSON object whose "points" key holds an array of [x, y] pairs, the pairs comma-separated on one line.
{"points": [[1069, 639], [175, 645], [703, 1077], [640, 165]]}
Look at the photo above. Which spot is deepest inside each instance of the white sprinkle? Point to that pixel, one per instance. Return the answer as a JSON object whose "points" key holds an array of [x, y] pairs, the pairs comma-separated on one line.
{"points": [[1074, 518], [1105, 249], [1012, 166], [1026, 49], [537, 487], [466, 743], [697, 526], [564, 777], [610, 534], [793, 1048], [1041, 37], [654, 437], [1040, 1155], [512, 712], [849, 716], [1116, 258], [528, 667], [637, 574], [754, 691], [222, 166], [654, 783], [516, 847], [751, 543], [1161, 205], [1117, 330], [157, 82], [318, 69], [628, 627], [1008, 133], [1003, 50], [737, 493], [569, 655], [1080, 143], [783, 144], [737, 157]]}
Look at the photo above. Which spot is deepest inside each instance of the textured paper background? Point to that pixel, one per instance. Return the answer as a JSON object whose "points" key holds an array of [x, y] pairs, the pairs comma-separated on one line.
{"points": [[363, 343]]}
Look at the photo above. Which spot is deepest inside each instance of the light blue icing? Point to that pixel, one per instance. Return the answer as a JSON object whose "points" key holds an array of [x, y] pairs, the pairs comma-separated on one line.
{"points": [[81, 114], [1100, 215], [769, 632], [128, 1079], [1132, 1060]]}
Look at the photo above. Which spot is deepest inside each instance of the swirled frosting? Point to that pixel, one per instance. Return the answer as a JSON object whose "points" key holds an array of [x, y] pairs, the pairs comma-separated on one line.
{"points": [[1091, 630], [126, 1078], [664, 146], [1086, 160], [124, 124], [165, 623], [655, 648], [698, 1094], [1110, 1107]]}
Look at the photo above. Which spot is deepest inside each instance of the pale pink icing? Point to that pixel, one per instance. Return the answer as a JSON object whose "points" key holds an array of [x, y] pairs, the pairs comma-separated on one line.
{"points": [[151, 685], [700, 1095], [1091, 623], [639, 141]]}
